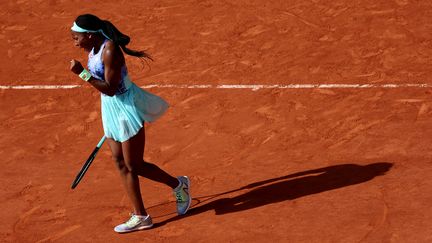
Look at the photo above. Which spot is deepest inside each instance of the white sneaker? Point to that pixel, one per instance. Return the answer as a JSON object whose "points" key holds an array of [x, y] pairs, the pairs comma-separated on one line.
{"points": [[182, 195], [136, 222]]}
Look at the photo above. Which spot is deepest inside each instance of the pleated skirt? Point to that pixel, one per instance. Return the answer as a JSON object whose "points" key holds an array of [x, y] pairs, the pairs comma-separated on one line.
{"points": [[123, 115]]}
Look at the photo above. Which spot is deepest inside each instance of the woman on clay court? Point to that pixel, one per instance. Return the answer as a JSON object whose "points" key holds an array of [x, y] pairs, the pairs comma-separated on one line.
{"points": [[125, 108]]}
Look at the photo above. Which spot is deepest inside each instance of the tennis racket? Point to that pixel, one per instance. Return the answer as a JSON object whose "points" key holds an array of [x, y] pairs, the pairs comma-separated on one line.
{"points": [[87, 163]]}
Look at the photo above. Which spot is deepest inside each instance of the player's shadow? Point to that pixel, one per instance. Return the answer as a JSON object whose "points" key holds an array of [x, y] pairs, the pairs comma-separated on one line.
{"points": [[287, 187]]}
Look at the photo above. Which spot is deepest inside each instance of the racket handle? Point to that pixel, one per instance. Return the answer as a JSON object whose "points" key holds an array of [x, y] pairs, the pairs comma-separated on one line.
{"points": [[101, 142], [87, 163]]}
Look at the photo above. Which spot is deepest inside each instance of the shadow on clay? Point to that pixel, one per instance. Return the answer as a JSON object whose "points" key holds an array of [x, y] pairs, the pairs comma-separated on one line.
{"points": [[287, 187]]}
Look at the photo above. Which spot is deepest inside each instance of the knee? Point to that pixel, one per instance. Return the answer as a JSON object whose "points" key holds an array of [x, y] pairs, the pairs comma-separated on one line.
{"points": [[119, 162], [137, 167], [132, 168]]}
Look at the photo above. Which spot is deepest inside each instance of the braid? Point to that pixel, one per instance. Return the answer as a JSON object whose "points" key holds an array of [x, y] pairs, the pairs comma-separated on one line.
{"points": [[92, 22]]}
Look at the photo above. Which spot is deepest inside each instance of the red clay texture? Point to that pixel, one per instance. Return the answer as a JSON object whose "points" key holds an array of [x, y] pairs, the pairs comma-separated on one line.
{"points": [[268, 165]]}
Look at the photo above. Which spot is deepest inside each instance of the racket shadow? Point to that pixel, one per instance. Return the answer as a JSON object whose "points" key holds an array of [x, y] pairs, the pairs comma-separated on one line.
{"points": [[284, 188]]}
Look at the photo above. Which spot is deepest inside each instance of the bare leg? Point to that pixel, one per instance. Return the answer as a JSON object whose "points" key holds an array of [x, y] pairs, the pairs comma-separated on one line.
{"points": [[129, 158], [130, 181], [134, 147]]}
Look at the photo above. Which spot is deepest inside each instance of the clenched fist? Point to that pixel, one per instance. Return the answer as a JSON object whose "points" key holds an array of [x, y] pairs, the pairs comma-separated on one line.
{"points": [[76, 67]]}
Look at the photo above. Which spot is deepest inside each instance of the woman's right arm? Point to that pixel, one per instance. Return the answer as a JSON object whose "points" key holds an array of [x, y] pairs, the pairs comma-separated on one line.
{"points": [[108, 88]]}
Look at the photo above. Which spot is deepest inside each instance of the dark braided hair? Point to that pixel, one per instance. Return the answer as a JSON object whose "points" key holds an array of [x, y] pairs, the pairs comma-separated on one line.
{"points": [[94, 23]]}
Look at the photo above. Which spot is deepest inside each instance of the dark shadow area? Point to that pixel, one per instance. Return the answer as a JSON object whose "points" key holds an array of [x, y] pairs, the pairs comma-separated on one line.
{"points": [[287, 187]]}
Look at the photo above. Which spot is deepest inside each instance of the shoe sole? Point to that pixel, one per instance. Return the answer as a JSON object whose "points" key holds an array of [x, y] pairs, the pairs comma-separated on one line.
{"points": [[190, 198], [137, 229]]}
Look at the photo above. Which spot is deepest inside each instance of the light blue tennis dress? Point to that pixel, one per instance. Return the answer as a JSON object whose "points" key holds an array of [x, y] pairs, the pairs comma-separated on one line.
{"points": [[124, 114]]}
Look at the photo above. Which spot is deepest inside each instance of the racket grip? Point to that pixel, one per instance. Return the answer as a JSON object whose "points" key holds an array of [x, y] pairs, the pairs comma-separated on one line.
{"points": [[101, 142], [87, 164]]}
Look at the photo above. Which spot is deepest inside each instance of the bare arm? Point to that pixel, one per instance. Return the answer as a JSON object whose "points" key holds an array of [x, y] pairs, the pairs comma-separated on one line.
{"points": [[113, 60]]}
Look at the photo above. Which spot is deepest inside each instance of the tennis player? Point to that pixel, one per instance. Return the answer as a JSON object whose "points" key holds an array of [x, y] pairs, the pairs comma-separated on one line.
{"points": [[125, 109]]}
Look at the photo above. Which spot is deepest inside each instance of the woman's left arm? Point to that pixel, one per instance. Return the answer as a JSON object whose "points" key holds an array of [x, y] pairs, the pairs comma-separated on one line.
{"points": [[113, 60]]}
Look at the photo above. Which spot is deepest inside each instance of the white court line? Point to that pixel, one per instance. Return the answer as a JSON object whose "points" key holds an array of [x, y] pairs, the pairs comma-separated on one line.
{"points": [[39, 86], [239, 86]]}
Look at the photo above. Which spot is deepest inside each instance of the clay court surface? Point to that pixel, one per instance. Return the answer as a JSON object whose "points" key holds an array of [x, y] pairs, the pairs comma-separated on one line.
{"points": [[267, 165]]}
